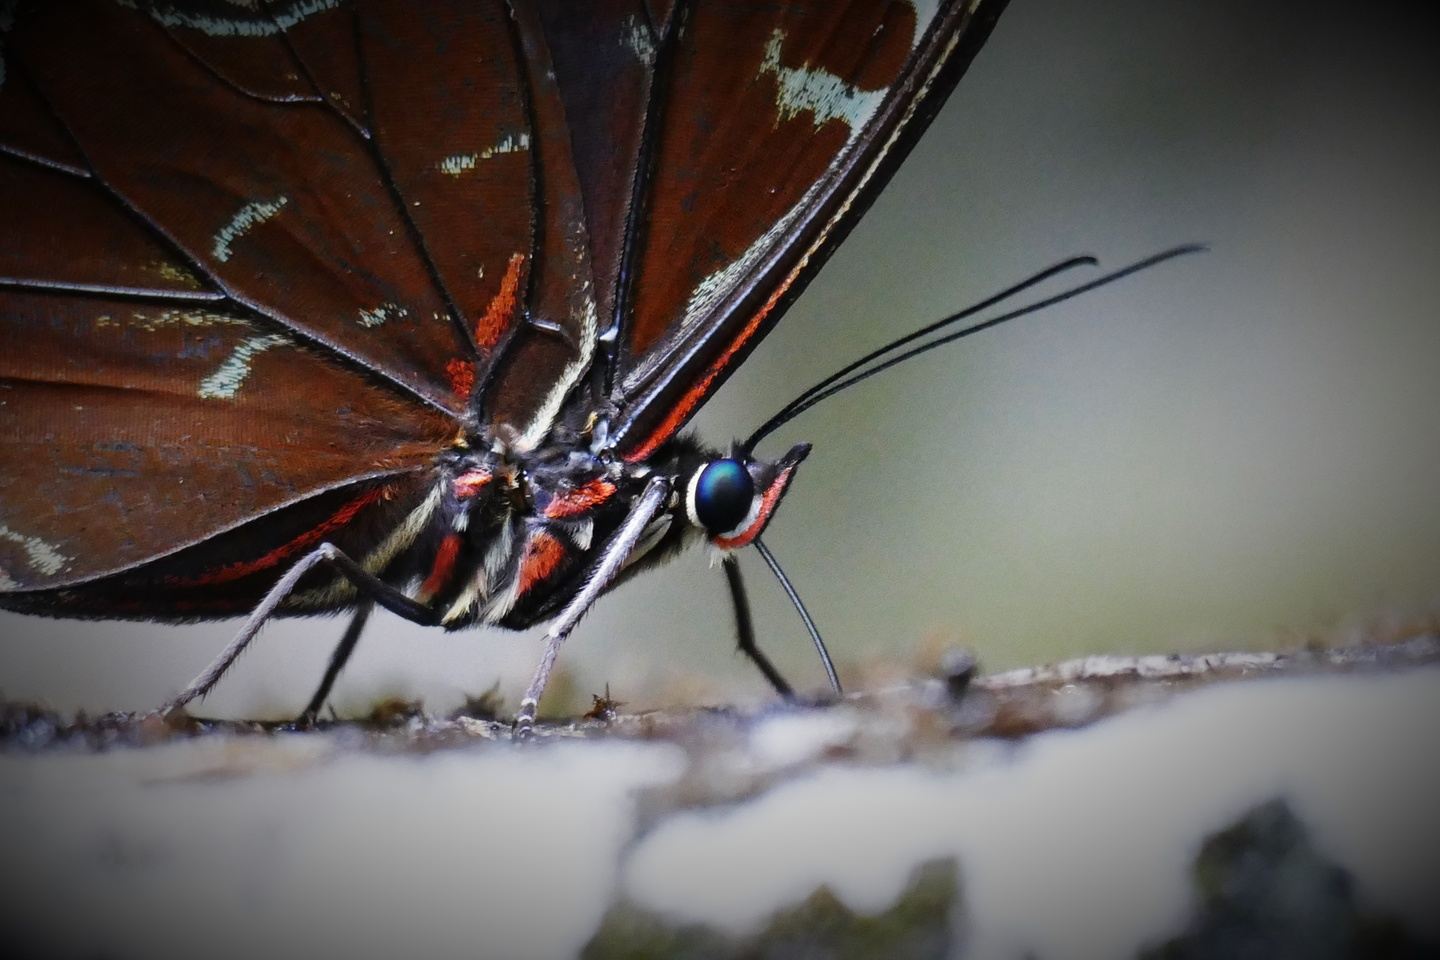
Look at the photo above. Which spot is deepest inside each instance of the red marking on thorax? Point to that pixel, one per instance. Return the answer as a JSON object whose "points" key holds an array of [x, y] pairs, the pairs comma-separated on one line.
{"points": [[440, 571], [543, 555], [768, 502], [492, 326], [582, 499], [471, 482], [311, 537]]}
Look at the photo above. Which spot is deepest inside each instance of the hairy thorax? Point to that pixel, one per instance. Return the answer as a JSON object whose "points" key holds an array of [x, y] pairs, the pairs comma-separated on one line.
{"points": [[505, 537]]}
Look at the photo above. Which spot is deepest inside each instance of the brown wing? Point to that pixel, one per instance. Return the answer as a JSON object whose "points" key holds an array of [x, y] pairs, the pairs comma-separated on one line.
{"points": [[253, 259], [556, 346], [370, 197], [237, 144], [131, 429], [722, 149]]}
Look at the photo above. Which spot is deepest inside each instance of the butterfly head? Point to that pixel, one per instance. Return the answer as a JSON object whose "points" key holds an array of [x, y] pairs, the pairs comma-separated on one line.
{"points": [[732, 498]]}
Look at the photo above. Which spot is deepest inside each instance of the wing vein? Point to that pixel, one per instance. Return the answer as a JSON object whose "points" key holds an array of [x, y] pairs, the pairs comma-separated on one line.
{"points": [[387, 176], [309, 74], [637, 215], [229, 298], [231, 85], [485, 376]]}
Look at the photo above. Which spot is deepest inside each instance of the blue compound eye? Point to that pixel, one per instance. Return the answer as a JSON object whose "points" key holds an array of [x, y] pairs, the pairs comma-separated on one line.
{"points": [[722, 495]]}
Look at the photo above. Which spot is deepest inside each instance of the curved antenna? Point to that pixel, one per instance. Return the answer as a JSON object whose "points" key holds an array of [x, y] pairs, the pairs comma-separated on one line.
{"points": [[774, 566], [838, 381], [1043, 275]]}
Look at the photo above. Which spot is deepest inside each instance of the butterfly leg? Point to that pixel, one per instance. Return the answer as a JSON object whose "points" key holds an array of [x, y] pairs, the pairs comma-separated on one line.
{"points": [[369, 586], [745, 628], [338, 658], [611, 561]]}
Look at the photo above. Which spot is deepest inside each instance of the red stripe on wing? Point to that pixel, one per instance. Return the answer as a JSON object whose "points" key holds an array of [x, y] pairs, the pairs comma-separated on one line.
{"points": [[310, 538], [500, 313]]}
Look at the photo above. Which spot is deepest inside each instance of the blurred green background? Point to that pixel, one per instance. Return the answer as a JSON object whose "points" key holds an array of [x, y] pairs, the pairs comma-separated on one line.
{"points": [[1239, 449]]}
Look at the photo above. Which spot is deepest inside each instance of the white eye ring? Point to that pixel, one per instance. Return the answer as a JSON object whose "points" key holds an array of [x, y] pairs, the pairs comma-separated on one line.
{"points": [[690, 493]]}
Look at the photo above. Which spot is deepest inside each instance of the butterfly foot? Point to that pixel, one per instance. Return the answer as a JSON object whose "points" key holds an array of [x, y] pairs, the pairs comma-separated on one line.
{"points": [[171, 711], [166, 721], [523, 729]]}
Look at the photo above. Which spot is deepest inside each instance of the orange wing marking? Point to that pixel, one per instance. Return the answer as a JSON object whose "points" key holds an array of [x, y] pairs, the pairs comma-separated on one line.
{"points": [[492, 326], [461, 374]]}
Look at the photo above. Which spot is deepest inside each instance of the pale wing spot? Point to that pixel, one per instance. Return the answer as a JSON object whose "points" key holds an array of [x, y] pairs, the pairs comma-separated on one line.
{"points": [[895, 134], [386, 311], [248, 19], [225, 382], [251, 215], [638, 40], [798, 90], [44, 557], [827, 97], [709, 291], [175, 274], [153, 322], [817, 91], [459, 163]]}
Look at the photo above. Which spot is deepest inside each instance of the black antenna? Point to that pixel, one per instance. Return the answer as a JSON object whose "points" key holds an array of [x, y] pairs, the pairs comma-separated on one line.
{"points": [[804, 615], [839, 380], [1023, 285]]}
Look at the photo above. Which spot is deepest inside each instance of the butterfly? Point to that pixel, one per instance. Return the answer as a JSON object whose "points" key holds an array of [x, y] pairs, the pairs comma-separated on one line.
{"points": [[312, 305]]}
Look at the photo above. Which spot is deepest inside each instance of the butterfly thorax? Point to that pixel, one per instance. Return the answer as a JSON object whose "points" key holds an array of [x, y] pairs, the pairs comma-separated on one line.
{"points": [[509, 535]]}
